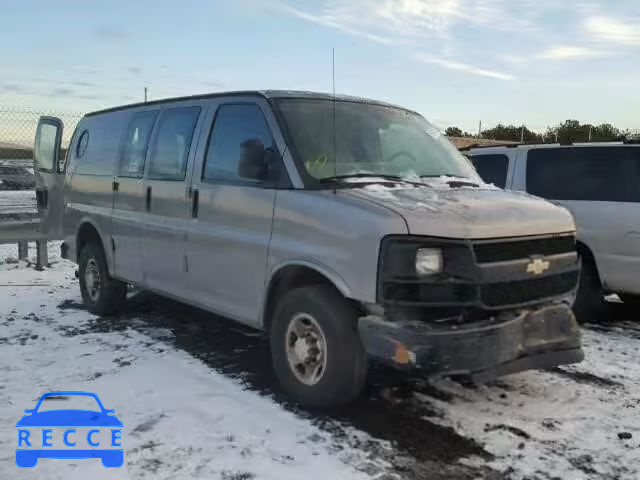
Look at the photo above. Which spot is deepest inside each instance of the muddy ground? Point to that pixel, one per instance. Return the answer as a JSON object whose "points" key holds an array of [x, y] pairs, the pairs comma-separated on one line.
{"points": [[388, 410]]}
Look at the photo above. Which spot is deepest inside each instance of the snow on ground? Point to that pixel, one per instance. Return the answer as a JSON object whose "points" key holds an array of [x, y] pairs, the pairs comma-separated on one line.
{"points": [[571, 422], [564, 423], [181, 419], [25, 200], [184, 419]]}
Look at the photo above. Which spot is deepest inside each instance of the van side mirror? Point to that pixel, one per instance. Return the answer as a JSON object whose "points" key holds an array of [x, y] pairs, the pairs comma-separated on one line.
{"points": [[254, 160]]}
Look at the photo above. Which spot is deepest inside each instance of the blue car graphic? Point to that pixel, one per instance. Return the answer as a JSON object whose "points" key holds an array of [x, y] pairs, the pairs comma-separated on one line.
{"points": [[28, 457]]}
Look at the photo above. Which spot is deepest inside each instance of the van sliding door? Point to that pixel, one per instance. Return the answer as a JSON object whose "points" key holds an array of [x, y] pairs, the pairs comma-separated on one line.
{"points": [[128, 197], [165, 197]]}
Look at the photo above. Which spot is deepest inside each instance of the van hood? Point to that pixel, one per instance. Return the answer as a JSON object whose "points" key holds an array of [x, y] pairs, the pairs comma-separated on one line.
{"points": [[468, 212]]}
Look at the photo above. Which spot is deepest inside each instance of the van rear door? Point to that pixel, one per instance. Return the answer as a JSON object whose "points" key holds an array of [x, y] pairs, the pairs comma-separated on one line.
{"points": [[49, 176]]}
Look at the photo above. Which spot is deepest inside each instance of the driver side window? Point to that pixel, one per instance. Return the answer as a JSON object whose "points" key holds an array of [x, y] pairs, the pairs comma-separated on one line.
{"points": [[239, 130]]}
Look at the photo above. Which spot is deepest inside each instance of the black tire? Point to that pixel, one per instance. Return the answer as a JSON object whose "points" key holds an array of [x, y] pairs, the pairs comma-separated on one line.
{"points": [[630, 300], [344, 376], [110, 295], [589, 300]]}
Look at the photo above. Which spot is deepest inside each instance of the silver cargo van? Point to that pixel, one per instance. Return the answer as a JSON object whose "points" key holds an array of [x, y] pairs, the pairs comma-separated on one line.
{"points": [[346, 228]]}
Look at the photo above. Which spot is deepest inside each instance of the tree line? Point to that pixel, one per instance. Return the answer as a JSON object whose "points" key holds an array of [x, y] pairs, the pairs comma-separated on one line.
{"points": [[567, 132]]}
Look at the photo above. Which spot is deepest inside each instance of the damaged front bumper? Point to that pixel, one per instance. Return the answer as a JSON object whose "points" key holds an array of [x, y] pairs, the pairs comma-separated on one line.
{"points": [[509, 343]]}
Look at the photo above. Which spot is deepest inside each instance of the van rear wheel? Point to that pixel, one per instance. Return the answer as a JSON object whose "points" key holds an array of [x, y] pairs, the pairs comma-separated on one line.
{"points": [[101, 294], [589, 298], [317, 353]]}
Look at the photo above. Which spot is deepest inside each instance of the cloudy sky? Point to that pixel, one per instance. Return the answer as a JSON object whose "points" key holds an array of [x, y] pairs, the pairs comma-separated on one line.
{"points": [[456, 61]]}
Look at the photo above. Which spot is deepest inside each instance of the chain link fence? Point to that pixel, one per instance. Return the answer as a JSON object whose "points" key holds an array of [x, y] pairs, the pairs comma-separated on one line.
{"points": [[18, 213], [17, 134], [18, 129]]}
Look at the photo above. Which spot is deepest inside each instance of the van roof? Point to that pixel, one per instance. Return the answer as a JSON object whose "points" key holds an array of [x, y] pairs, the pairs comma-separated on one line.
{"points": [[269, 94], [500, 148]]}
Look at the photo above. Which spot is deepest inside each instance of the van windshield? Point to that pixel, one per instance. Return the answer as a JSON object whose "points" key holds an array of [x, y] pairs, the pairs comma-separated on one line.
{"points": [[370, 140]]}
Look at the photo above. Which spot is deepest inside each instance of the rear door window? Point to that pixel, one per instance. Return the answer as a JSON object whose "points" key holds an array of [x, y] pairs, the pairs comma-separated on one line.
{"points": [[46, 141], [584, 173], [170, 150], [135, 145], [492, 168]]}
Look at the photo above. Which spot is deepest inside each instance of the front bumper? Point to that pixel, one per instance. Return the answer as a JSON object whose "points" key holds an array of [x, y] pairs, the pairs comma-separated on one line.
{"points": [[509, 343]]}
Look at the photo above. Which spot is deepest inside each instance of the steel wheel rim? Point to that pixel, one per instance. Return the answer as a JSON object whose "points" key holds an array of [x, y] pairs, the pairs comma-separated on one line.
{"points": [[306, 348], [92, 280]]}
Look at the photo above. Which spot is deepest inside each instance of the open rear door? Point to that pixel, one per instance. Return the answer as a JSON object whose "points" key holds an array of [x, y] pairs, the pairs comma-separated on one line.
{"points": [[49, 176]]}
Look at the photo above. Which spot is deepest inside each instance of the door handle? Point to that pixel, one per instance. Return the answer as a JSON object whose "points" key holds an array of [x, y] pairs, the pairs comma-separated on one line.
{"points": [[115, 185], [42, 199], [194, 205], [148, 199]]}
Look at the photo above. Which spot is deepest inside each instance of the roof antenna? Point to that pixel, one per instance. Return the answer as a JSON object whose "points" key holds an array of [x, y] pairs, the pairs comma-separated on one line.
{"points": [[333, 85]]}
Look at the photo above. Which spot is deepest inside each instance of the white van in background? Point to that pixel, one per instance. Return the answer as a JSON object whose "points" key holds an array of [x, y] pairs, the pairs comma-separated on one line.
{"points": [[600, 184]]}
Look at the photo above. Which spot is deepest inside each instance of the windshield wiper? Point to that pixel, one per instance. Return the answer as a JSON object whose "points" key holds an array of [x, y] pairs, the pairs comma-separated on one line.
{"points": [[443, 175], [455, 181], [373, 176]]}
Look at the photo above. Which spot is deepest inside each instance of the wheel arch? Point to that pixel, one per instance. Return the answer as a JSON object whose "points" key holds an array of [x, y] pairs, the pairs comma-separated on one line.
{"points": [[297, 273], [586, 254], [89, 232]]}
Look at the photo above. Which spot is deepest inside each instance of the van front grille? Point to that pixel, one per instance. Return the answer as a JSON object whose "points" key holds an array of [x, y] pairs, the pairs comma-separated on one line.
{"points": [[510, 293], [501, 251], [480, 274]]}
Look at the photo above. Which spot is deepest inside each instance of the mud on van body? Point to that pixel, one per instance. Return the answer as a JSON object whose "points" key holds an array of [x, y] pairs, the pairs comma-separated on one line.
{"points": [[346, 228]]}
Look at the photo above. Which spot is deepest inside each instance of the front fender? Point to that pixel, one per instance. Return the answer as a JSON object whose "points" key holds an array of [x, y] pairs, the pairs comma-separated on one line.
{"points": [[319, 267], [327, 272]]}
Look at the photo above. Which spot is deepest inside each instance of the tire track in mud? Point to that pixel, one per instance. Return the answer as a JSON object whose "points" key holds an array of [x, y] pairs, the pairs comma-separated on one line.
{"points": [[395, 424]]}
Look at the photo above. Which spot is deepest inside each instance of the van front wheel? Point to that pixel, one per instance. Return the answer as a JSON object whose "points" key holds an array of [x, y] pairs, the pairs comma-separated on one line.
{"points": [[317, 353], [101, 294]]}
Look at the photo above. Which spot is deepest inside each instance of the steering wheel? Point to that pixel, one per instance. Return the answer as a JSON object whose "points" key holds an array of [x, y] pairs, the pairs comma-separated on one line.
{"points": [[401, 153]]}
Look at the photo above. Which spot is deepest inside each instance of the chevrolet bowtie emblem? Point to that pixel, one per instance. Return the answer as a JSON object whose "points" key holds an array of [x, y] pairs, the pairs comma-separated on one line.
{"points": [[538, 266]]}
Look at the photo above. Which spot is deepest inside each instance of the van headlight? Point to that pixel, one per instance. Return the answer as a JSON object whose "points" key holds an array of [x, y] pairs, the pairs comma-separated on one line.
{"points": [[428, 261], [406, 258], [420, 270]]}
